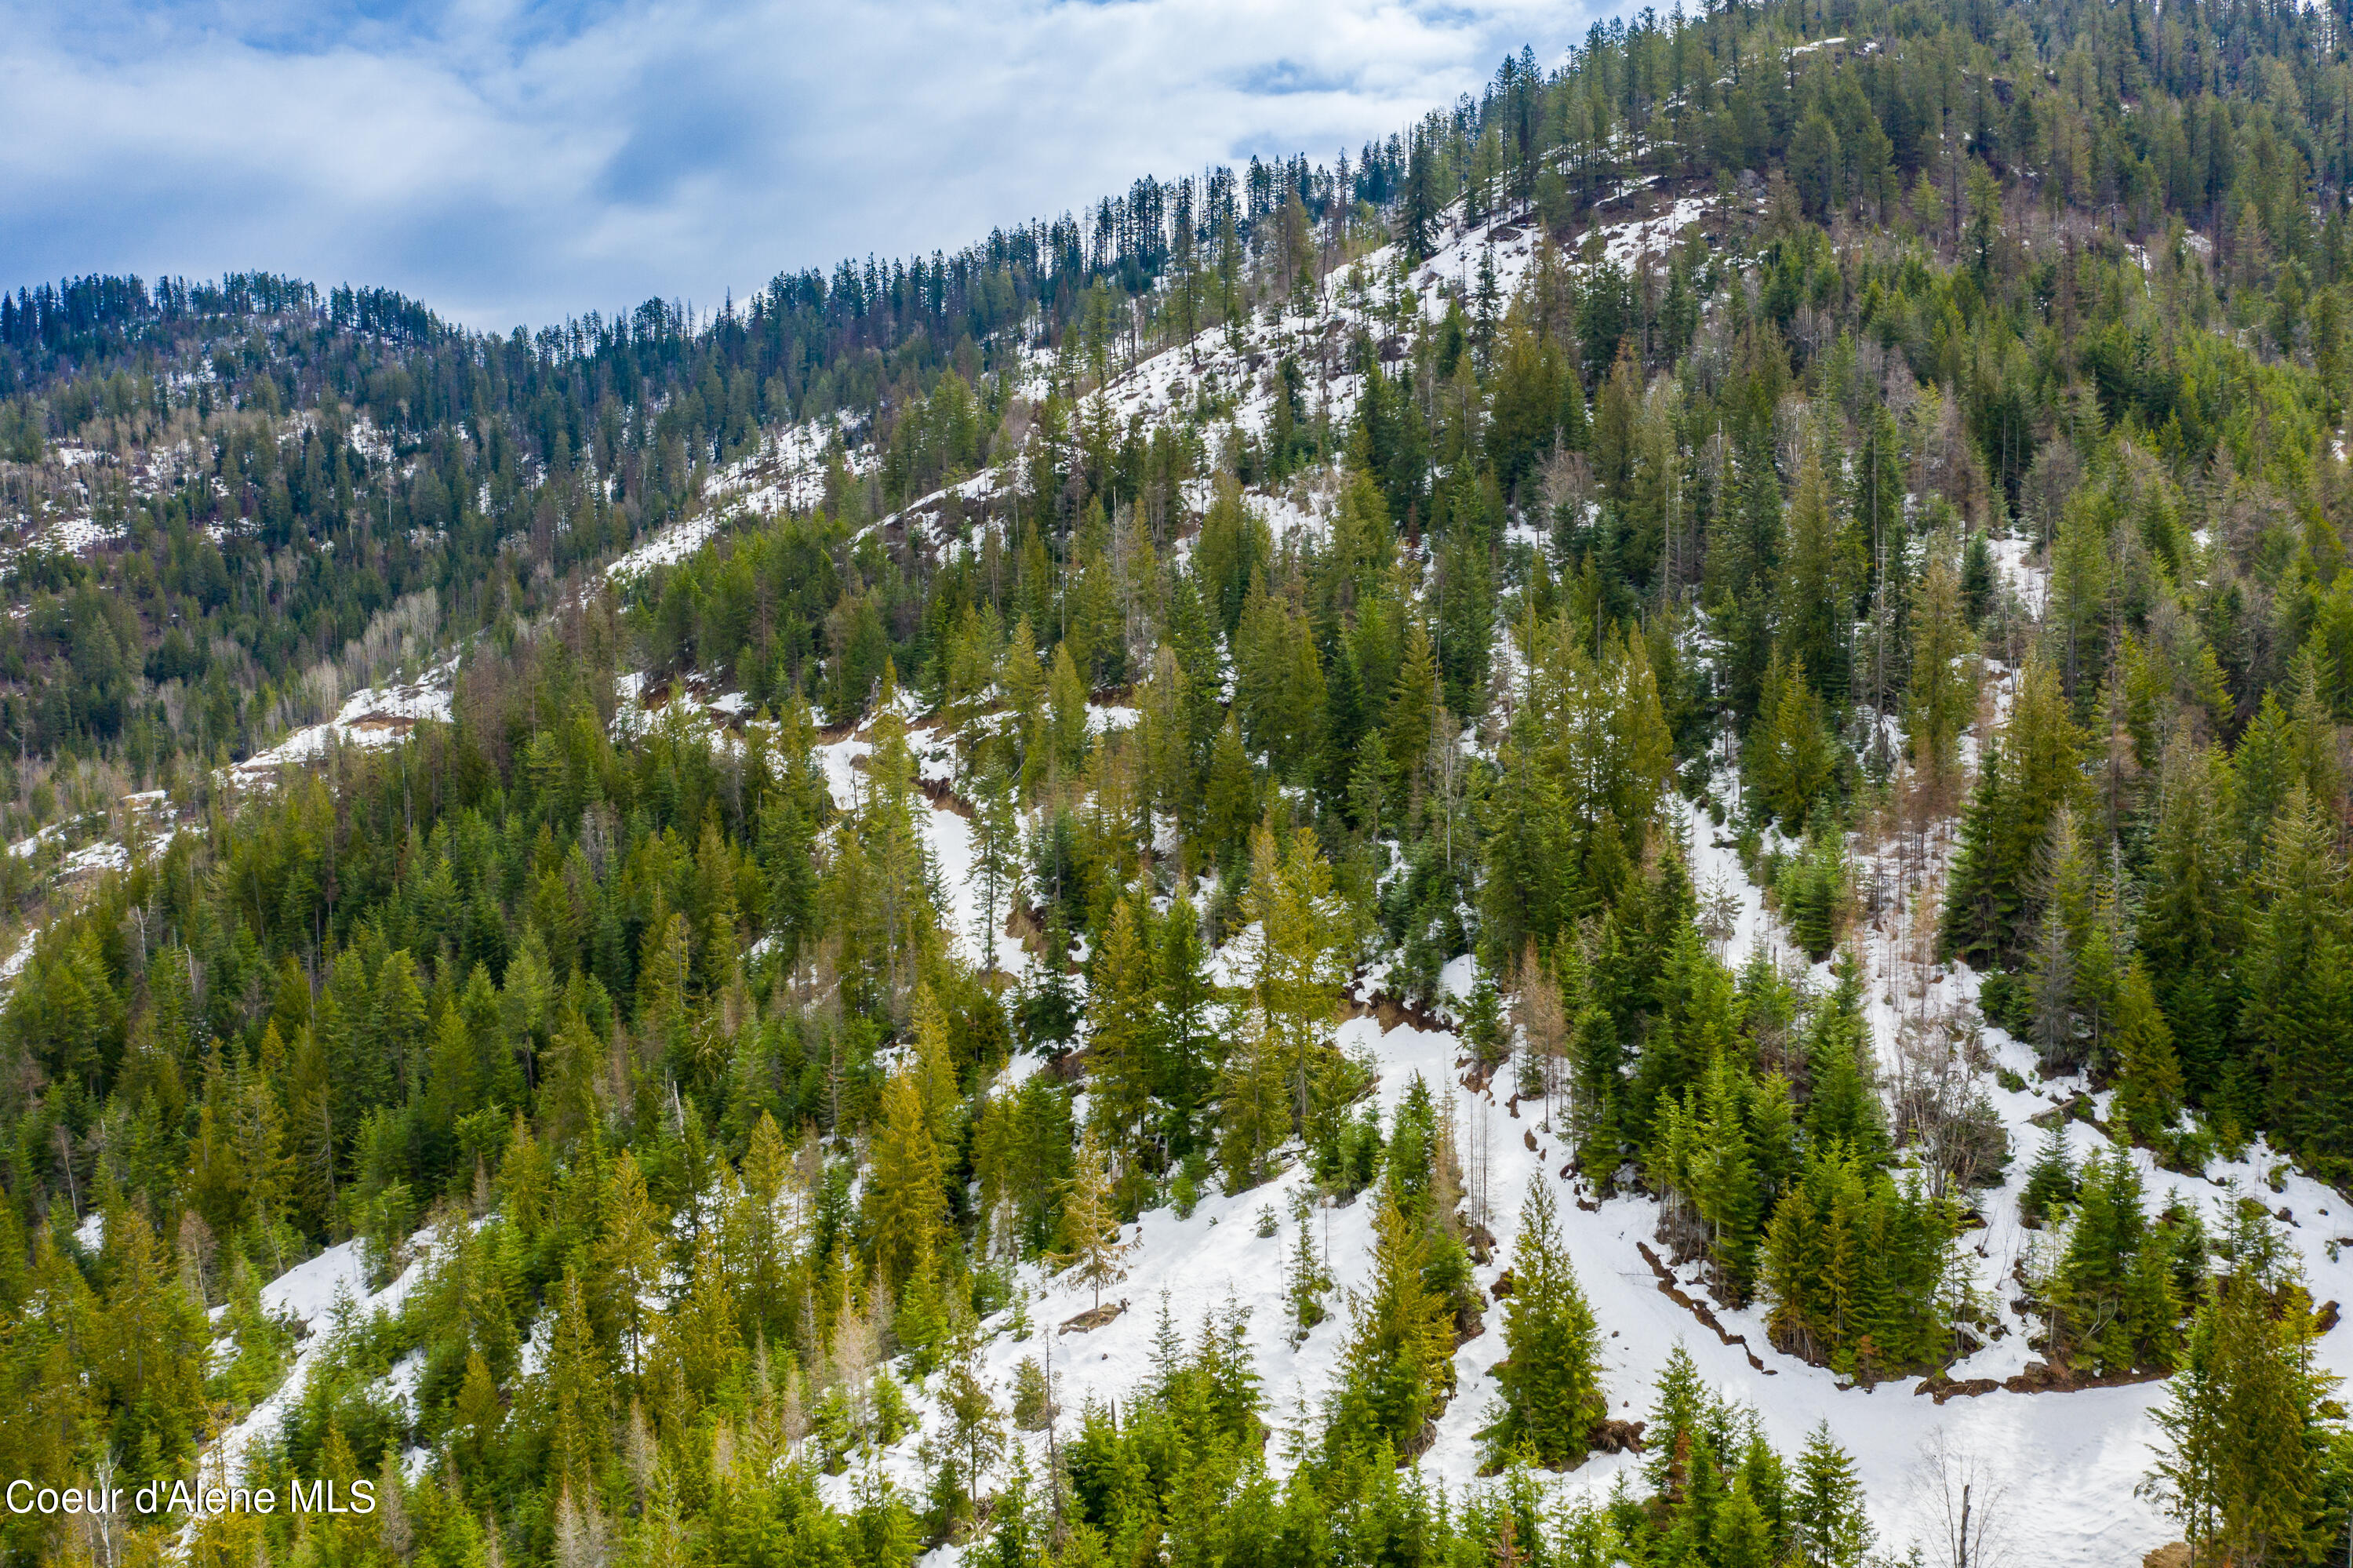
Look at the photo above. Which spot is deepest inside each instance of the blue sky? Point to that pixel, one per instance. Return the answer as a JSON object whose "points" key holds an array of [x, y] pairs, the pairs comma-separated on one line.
{"points": [[511, 163]]}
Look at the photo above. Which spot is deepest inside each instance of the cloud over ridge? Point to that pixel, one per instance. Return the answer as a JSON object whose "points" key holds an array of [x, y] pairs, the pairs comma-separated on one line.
{"points": [[512, 162]]}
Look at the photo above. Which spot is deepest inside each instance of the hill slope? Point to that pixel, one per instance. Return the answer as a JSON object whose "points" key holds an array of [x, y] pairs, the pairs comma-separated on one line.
{"points": [[961, 914]]}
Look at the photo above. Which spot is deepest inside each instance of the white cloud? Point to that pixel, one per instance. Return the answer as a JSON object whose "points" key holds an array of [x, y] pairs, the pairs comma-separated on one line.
{"points": [[509, 166]]}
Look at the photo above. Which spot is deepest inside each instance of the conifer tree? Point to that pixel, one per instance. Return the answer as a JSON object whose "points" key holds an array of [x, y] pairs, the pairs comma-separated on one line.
{"points": [[1413, 704], [975, 1424], [2299, 1011], [2240, 1467], [1307, 1279], [1809, 615], [2148, 1074], [995, 860], [1790, 748], [1092, 1241], [579, 1398], [1943, 686], [905, 1204], [1253, 1104], [1189, 1047], [1299, 957], [629, 1258], [2031, 774], [2189, 925], [2051, 1180], [1827, 1526], [1740, 1535], [1124, 1047], [1843, 1107], [1397, 1366], [1549, 1378]]}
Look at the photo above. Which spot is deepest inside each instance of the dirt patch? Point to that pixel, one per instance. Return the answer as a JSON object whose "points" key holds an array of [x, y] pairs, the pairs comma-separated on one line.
{"points": [[938, 793], [2040, 1377], [1087, 1322], [1617, 1436], [1026, 926], [1699, 1309], [1390, 1012]]}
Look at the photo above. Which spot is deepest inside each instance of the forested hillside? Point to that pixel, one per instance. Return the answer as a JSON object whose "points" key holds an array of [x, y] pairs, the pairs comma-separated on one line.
{"points": [[1617, 835]]}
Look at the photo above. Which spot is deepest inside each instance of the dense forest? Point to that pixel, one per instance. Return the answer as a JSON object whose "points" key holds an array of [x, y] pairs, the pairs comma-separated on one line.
{"points": [[1963, 493]]}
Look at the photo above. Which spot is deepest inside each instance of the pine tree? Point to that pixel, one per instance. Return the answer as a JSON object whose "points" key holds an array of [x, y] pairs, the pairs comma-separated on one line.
{"points": [[1253, 1104], [996, 862], [1298, 956], [1307, 1280], [2148, 1074], [1740, 1536], [1843, 1106], [2299, 1011], [975, 1425], [1790, 752], [629, 1258], [2051, 1180], [2092, 1289], [1943, 689], [1549, 1378], [2031, 774], [1124, 1047], [1809, 617], [476, 1414], [905, 1204], [1827, 1524], [2239, 1465], [1680, 1411], [579, 1398], [1092, 1241], [1397, 1366], [1413, 703], [2189, 925], [1189, 1047]]}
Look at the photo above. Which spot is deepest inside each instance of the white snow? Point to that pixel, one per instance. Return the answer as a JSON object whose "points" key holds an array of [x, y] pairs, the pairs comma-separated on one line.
{"points": [[13, 964], [2027, 577], [313, 1294], [668, 548], [378, 716]]}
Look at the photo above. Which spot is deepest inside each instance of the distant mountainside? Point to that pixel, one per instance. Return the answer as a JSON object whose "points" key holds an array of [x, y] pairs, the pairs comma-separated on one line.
{"points": [[1619, 835]]}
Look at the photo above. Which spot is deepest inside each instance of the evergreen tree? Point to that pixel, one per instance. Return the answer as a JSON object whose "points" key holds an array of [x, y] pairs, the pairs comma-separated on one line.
{"points": [[2240, 1467], [1827, 1526], [1307, 1280], [2299, 1011], [629, 1264], [1125, 1049], [1789, 754], [1810, 618], [905, 1202], [2051, 1180], [1943, 689], [579, 1400], [995, 860], [1092, 1241], [1989, 900], [1549, 1378], [1397, 1370], [2148, 1074]]}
